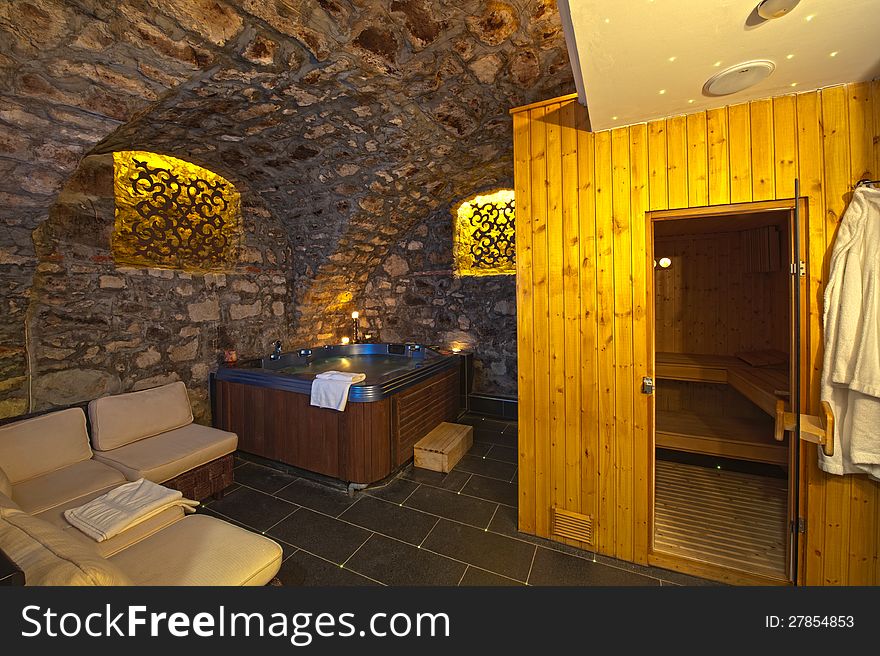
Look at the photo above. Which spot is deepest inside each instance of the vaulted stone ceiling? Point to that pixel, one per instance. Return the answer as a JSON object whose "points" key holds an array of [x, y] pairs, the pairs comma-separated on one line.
{"points": [[348, 120]]}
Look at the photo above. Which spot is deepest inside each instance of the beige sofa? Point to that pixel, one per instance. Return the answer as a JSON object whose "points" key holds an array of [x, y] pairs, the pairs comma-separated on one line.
{"points": [[46, 467], [150, 434], [48, 463]]}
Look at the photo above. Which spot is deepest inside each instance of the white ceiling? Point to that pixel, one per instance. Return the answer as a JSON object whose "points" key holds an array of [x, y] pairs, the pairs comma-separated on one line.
{"points": [[637, 60]]}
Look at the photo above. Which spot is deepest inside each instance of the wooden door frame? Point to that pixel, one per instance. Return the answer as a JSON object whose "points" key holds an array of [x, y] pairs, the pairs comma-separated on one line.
{"points": [[709, 212]]}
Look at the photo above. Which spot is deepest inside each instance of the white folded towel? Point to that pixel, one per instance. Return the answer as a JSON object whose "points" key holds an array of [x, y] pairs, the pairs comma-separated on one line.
{"points": [[342, 375], [123, 507], [330, 388]]}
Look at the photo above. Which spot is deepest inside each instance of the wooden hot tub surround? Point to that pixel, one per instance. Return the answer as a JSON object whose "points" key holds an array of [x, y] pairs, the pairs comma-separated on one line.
{"points": [[363, 444]]}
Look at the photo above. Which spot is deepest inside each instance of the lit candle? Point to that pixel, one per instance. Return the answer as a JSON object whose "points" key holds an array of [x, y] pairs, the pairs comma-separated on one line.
{"points": [[345, 340], [355, 314]]}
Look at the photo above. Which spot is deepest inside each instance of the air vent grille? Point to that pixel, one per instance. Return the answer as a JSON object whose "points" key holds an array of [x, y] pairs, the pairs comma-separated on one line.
{"points": [[572, 525]]}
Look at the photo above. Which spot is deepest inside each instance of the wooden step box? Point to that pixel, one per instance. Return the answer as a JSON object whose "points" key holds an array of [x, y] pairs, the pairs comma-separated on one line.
{"points": [[442, 448]]}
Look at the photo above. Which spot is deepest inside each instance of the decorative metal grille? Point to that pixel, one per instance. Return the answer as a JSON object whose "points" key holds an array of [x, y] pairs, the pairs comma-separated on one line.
{"points": [[173, 214], [485, 235]]}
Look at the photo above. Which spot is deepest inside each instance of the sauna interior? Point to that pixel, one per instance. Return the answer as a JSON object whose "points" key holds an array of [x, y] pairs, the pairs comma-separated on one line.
{"points": [[432, 293], [723, 338]]}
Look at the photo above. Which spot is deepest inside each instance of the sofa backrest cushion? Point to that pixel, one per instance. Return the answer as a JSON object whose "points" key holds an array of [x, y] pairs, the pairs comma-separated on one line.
{"points": [[5, 484], [126, 418], [48, 556], [7, 502], [37, 446]]}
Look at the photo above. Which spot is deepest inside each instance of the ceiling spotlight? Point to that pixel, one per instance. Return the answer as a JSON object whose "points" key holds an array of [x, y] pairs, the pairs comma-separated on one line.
{"points": [[662, 91], [833, 54], [770, 9], [739, 77]]}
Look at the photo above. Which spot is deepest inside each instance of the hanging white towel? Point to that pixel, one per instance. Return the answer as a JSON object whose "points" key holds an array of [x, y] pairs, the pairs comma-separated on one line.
{"points": [[123, 507], [330, 389], [851, 368]]}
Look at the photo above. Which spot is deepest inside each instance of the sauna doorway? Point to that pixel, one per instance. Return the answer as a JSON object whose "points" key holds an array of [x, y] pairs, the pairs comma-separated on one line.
{"points": [[721, 299]]}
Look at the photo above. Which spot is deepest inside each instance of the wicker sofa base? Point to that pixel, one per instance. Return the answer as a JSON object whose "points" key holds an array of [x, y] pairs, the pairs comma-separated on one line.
{"points": [[204, 481]]}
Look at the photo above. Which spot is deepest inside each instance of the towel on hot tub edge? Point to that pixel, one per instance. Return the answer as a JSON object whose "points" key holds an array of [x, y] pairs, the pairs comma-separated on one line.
{"points": [[330, 388]]}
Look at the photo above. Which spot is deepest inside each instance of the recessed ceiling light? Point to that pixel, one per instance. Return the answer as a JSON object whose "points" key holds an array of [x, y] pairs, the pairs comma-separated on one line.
{"points": [[789, 56], [770, 9], [607, 20], [662, 91], [691, 101], [794, 84], [672, 59], [834, 54], [739, 77], [717, 64], [613, 118], [810, 17]]}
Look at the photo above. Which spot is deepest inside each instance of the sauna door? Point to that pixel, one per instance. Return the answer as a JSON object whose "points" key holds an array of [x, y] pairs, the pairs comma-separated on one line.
{"points": [[756, 386]]}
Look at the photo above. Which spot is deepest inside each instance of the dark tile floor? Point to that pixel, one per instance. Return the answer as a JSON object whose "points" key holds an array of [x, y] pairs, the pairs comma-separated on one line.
{"points": [[421, 528]]}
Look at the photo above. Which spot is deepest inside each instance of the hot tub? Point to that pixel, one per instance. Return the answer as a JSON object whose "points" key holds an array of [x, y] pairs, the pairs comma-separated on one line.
{"points": [[409, 389]]}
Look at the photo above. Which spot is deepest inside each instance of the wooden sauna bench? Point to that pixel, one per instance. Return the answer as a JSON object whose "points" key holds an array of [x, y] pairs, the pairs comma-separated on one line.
{"points": [[712, 434]]}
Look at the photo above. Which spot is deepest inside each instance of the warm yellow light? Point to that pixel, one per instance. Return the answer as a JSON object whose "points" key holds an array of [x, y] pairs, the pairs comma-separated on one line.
{"points": [[355, 314], [834, 54], [672, 59], [173, 214], [691, 101], [810, 17], [456, 350], [717, 64], [789, 56], [345, 340], [794, 84], [665, 263], [484, 235], [613, 118], [662, 91]]}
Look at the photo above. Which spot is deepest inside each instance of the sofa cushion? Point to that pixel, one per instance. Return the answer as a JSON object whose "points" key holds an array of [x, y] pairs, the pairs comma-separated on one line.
{"points": [[162, 457], [7, 502], [107, 548], [201, 550], [5, 484], [48, 556], [125, 418], [73, 483], [32, 447]]}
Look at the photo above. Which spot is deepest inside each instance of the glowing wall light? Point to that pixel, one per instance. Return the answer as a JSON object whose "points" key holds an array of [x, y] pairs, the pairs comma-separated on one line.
{"points": [[484, 235], [173, 214]]}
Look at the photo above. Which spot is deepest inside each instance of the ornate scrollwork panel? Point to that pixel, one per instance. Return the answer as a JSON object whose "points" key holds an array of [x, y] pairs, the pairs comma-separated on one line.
{"points": [[173, 214], [485, 235]]}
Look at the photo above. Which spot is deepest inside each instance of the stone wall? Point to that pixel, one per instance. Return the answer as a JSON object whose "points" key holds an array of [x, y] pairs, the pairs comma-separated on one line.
{"points": [[414, 295], [345, 123], [96, 328]]}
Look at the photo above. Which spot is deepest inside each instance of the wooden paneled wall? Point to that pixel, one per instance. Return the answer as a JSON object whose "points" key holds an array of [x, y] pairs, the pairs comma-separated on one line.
{"points": [[707, 302], [582, 329]]}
